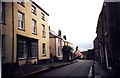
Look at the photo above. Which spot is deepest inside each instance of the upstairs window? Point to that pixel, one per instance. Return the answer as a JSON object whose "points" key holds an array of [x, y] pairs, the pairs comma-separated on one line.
{"points": [[43, 31], [21, 2], [20, 20], [42, 16], [33, 9], [34, 28], [2, 12]]}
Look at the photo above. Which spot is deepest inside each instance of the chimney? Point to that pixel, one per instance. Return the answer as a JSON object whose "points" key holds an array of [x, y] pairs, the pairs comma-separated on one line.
{"points": [[59, 33], [64, 37]]}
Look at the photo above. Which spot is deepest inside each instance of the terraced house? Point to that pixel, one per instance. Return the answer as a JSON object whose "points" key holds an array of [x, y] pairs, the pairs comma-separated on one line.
{"points": [[25, 34]]}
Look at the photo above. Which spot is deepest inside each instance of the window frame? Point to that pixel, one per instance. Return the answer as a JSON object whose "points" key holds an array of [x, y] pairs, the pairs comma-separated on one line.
{"points": [[32, 49], [3, 14], [43, 49], [24, 48], [34, 27], [22, 22], [3, 46], [42, 16], [43, 31], [33, 9], [21, 2]]}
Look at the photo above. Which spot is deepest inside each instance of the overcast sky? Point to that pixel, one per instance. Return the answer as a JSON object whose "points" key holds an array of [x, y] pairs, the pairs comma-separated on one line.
{"points": [[77, 19]]}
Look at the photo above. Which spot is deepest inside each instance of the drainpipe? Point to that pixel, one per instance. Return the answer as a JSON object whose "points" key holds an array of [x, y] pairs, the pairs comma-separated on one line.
{"points": [[1, 33], [12, 31]]}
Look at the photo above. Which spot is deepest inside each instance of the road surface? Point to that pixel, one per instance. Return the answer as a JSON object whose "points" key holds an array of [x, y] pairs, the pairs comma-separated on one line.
{"points": [[79, 69]]}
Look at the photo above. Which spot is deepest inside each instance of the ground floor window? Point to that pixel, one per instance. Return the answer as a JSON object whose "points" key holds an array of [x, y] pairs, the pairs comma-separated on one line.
{"points": [[44, 49], [33, 49], [3, 45], [22, 49], [27, 48], [59, 51]]}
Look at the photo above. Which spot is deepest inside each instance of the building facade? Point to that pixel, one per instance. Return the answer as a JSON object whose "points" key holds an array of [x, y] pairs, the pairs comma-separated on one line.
{"points": [[25, 34], [107, 42], [56, 45]]}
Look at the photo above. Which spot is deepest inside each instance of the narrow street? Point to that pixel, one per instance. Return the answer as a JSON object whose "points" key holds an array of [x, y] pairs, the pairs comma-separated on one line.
{"points": [[81, 68]]}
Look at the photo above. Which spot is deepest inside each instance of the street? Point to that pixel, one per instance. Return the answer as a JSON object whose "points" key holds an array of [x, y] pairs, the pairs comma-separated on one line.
{"points": [[81, 68]]}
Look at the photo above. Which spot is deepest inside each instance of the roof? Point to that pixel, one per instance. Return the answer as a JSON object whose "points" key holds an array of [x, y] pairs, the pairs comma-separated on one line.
{"points": [[54, 35]]}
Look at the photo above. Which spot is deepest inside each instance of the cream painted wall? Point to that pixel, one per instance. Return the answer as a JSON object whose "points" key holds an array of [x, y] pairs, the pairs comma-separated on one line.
{"points": [[7, 30]]}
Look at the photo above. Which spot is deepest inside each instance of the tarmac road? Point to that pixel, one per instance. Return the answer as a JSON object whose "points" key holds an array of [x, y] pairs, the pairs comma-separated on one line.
{"points": [[79, 69]]}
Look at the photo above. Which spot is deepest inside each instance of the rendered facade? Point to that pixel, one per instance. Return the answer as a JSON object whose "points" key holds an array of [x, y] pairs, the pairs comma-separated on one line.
{"points": [[56, 45], [25, 34]]}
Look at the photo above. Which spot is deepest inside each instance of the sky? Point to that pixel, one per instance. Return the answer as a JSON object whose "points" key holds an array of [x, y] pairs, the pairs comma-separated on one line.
{"points": [[77, 19]]}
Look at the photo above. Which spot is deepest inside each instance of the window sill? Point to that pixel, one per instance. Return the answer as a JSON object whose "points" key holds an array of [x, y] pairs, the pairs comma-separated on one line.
{"points": [[34, 13], [21, 59], [43, 36], [21, 4], [3, 57], [21, 29], [44, 55], [4, 23], [32, 57], [43, 19], [34, 33]]}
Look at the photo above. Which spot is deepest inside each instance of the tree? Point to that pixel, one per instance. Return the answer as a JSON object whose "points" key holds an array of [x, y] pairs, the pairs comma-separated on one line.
{"points": [[67, 52]]}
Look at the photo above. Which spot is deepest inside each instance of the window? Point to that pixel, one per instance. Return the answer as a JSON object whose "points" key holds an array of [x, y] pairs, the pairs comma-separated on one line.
{"points": [[22, 49], [21, 2], [42, 16], [20, 20], [27, 48], [2, 12], [34, 29], [59, 51], [43, 49], [3, 46], [33, 9], [43, 31], [58, 41], [33, 49]]}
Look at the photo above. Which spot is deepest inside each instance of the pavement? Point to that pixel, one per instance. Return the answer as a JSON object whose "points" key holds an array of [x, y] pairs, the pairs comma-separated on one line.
{"points": [[99, 71], [32, 70]]}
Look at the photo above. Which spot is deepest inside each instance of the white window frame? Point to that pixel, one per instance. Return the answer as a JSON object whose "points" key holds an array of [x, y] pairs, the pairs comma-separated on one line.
{"points": [[42, 16], [43, 31], [34, 27], [33, 9], [24, 55], [43, 49], [21, 20], [21, 2]]}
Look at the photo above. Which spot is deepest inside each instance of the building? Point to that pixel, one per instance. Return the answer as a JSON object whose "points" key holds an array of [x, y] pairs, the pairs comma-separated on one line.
{"points": [[56, 45], [90, 54], [25, 35], [67, 50], [107, 42], [78, 54]]}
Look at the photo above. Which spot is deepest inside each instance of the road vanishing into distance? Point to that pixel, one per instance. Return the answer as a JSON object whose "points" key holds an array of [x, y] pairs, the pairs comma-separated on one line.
{"points": [[79, 69]]}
